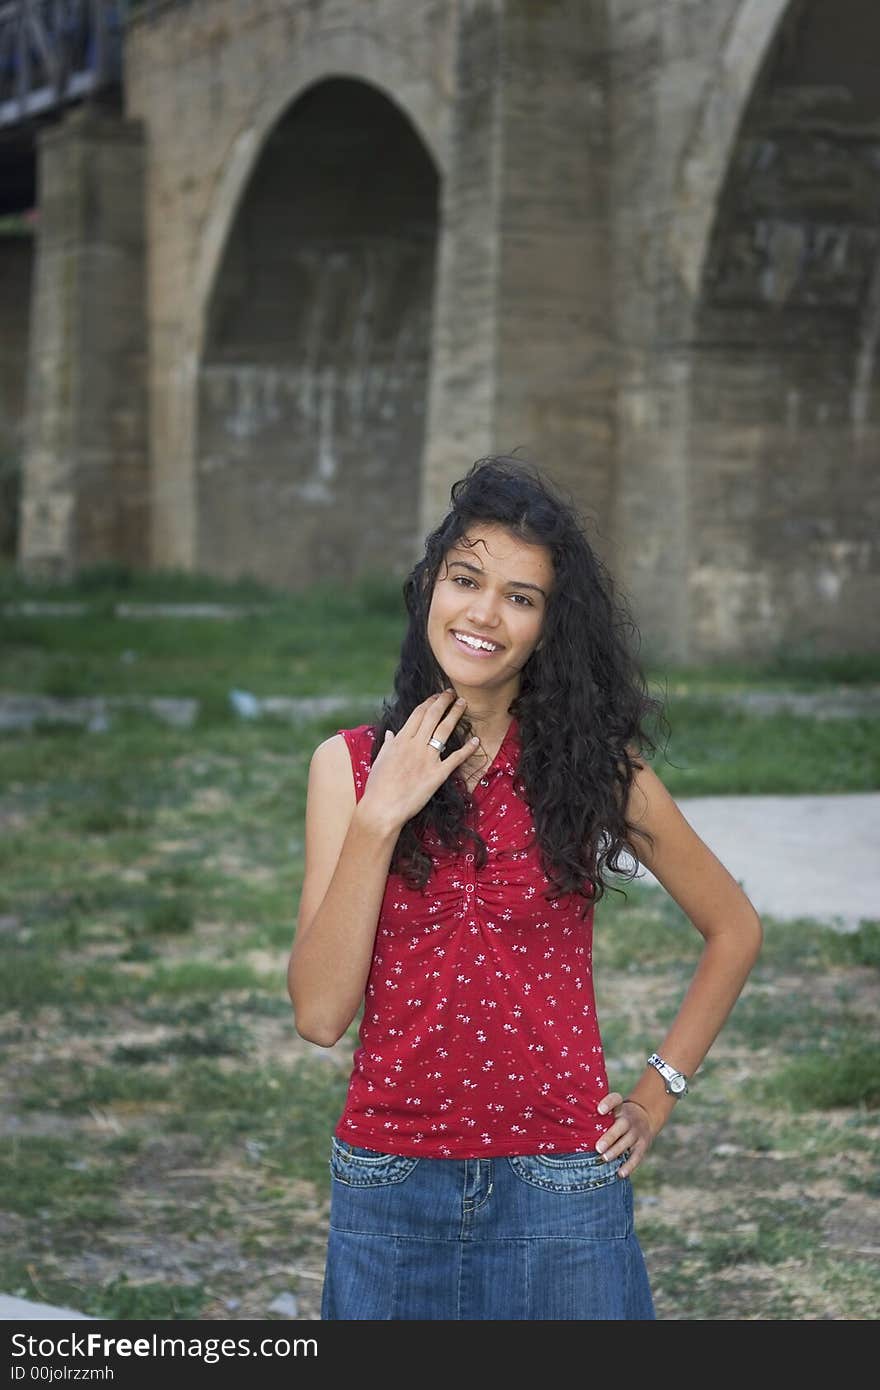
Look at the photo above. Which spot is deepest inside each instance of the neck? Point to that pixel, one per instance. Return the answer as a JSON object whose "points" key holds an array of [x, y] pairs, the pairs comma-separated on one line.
{"points": [[490, 724], [489, 710]]}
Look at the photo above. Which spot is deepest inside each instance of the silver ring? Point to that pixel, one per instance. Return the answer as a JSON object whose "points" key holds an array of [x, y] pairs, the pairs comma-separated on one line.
{"points": [[437, 743]]}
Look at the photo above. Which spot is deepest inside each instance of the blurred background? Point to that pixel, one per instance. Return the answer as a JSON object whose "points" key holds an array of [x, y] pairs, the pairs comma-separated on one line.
{"points": [[273, 273]]}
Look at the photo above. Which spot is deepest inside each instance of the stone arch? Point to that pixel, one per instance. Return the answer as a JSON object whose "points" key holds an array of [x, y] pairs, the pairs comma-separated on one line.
{"points": [[707, 154], [784, 403], [656, 397], [311, 347], [367, 60]]}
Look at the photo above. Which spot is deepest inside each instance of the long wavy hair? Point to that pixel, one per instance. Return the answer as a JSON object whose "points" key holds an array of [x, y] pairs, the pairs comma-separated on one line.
{"points": [[583, 708]]}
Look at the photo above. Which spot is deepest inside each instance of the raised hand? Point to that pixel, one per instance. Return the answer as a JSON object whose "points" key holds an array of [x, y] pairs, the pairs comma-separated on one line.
{"points": [[408, 769]]}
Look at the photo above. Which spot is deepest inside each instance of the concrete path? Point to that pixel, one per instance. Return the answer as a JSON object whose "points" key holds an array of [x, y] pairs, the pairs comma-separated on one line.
{"points": [[795, 856], [19, 1310]]}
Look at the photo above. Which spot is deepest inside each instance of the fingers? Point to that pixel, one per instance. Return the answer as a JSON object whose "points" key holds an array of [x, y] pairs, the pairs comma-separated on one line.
{"points": [[632, 1163], [402, 782], [633, 1155], [424, 717], [632, 1145], [609, 1102], [451, 718], [630, 1135], [446, 728], [614, 1140], [439, 719], [466, 751]]}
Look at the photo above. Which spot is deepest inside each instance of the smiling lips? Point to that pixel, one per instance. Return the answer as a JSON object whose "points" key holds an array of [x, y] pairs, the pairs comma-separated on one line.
{"points": [[477, 646]]}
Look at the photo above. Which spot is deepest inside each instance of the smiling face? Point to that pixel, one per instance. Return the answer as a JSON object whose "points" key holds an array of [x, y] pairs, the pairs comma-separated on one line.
{"points": [[487, 611]]}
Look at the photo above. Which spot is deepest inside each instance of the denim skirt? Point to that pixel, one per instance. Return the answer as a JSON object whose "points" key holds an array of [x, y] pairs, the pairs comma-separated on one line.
{"points": [[530, 1237]]}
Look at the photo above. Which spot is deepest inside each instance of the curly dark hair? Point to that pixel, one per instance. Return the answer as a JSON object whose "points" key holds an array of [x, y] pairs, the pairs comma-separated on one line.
{"points": [[582, 706]]}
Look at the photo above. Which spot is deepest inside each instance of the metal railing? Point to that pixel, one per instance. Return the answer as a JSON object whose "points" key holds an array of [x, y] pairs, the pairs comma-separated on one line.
{"points": [[56, 51]]}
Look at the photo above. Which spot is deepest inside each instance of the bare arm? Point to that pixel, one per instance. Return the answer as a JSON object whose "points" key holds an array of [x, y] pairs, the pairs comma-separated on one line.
{"points": [[348, 855], [731, 929], [349, 848]]}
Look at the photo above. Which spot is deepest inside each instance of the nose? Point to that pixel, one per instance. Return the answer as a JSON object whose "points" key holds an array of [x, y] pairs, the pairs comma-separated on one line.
{"points": [[482, 610]]}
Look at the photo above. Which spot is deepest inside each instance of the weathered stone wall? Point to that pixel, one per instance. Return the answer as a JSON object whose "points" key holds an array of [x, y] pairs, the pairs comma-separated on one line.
{"points": [[746, 187], [314, 377], [85, 497], [214, 81], [523, 347], [785, 439], [637, 241], [16, 268], [662, 58]]}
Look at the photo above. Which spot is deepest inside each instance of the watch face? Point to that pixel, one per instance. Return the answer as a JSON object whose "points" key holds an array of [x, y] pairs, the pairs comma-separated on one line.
{"points": [[677, 1084]]}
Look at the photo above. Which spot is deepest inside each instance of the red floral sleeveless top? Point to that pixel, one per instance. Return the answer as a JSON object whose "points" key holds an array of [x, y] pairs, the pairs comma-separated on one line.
{"points": [[479, 1035]]}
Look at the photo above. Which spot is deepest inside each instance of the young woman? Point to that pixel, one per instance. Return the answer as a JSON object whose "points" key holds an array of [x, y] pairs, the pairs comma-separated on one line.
{"points": [[454, 854]]}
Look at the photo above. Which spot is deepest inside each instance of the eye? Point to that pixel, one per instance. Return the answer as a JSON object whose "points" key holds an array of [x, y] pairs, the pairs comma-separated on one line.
{"points": [[463, 579]]}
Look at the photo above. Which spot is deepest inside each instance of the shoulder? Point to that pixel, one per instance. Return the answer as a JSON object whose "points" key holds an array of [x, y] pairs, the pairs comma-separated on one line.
{"points": [[332, 750], [344, 753], [650, 807], [356, 741], [331, 761], [663, 840]]}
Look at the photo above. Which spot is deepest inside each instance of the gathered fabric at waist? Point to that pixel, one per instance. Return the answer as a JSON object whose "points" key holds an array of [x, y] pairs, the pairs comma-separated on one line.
{"points": [[469, 1047]]}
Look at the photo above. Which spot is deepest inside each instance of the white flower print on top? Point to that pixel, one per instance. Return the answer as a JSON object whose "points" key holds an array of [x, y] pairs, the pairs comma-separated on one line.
{"points": [[481, 1006]]}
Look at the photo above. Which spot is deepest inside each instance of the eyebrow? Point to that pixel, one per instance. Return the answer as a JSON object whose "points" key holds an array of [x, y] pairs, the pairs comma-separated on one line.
{"points": [[510, 583]]}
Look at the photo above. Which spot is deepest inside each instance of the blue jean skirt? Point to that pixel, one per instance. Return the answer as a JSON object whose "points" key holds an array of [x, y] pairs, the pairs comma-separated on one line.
{"points": [[523, 1237]]}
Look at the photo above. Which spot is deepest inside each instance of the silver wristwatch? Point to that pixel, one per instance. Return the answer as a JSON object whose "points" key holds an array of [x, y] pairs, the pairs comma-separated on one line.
{"points": [[676, 1081]]}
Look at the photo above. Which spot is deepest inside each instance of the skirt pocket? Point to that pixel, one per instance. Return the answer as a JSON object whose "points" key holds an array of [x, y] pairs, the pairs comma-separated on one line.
{"points": [[574, 1172], [360, 1167]]}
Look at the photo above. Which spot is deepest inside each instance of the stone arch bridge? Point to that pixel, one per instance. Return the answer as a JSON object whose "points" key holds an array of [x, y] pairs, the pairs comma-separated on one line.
{"points": [[322, 254]]}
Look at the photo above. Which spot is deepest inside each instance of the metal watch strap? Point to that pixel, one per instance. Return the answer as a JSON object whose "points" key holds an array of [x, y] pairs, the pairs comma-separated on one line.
{"points": [[675, 1081]]}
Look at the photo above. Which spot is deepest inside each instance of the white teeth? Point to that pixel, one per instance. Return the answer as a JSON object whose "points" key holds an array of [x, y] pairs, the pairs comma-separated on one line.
{"points": [[479, 646]]}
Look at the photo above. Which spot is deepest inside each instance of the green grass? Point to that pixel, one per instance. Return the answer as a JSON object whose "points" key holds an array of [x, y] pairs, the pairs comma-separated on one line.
{"points": [[44, 1174], [844, 1071], [170, 1159], [734, 753], [34, 978], [271, 652], [122, 1299]]}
